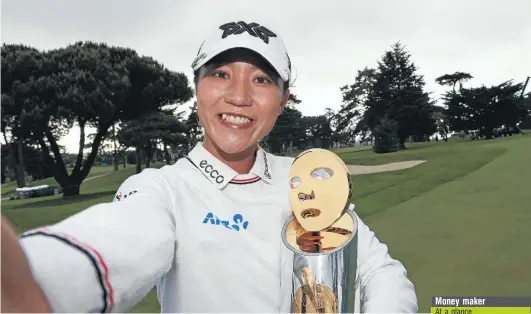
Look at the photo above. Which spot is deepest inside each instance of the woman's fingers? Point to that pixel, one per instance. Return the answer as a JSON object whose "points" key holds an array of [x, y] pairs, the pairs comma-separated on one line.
{"points": [[307, 241], [20, 291]]}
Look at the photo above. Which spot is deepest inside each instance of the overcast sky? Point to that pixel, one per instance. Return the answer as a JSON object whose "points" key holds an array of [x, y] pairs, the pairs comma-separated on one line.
{"points": [[328, 41]]}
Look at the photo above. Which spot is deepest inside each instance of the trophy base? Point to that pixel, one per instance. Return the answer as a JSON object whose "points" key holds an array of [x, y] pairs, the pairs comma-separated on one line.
{"points": [[326, 301]]}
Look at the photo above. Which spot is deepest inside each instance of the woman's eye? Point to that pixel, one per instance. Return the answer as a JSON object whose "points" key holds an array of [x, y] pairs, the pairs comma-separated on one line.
{"points": [[221, 74], [262, 80]]}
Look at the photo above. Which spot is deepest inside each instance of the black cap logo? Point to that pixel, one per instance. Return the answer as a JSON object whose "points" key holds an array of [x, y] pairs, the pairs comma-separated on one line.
{"points": [[254, 29]]}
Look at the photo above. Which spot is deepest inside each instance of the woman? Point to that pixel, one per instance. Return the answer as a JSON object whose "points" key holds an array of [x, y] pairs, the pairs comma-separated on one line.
{"points": [[206, 230]]}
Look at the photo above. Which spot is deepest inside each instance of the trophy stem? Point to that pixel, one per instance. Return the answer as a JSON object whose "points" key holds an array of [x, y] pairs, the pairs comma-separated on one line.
{"points": [[317, 247]]}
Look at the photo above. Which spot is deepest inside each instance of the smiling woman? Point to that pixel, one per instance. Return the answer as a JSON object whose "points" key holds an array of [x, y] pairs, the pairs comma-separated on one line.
{"points": [[239, 98], [213, 218]]}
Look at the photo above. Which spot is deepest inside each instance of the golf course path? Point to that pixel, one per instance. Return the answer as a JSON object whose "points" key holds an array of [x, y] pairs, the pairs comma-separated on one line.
{"points": [[94, 177], [393, 166]]}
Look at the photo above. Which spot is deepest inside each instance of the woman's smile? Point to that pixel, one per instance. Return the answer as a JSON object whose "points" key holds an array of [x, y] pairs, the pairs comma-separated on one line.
{"points": [[235, 121]]}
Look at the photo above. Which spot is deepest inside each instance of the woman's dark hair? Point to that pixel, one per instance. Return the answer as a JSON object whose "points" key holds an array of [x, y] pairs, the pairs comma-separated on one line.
{"points": [[267, 67]]}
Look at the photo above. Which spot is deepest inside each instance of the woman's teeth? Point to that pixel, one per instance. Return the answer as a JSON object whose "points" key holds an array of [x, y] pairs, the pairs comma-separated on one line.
{"points": [[235, 119]]}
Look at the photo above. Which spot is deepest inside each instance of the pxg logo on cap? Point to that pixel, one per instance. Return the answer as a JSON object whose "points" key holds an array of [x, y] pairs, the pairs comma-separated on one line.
{"points": [[254, 29]]}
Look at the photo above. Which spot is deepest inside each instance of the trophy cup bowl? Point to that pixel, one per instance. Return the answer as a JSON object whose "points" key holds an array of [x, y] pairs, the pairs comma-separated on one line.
{"points": [[324, 272]]}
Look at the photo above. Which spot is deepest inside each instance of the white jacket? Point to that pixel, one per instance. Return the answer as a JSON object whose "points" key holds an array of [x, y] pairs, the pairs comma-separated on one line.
{"points": [[206, 237]]}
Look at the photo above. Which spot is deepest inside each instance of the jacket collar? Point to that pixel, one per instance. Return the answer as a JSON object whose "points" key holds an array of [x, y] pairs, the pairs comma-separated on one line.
{"points": [[220, 174], [262, 167]]}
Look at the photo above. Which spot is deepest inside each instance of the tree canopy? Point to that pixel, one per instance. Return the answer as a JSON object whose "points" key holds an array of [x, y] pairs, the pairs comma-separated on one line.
{"points": [[145, 132], [393, 93], [453, 79], [484, 109], [106, 88], [90, 84]]}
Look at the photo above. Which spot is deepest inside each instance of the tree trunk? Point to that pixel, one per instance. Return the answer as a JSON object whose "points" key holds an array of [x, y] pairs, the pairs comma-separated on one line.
{"points": [[124, 160], [166, 154], [402, 143], [138, 160], [87, 165], [69, 182], [43, 162], [3, 170], [488, 133], [115, 163], [114, 157], [148, 154], [79, 159], [154, 149], [21, 175], [60, 168], [13, 157], [71, 190]]}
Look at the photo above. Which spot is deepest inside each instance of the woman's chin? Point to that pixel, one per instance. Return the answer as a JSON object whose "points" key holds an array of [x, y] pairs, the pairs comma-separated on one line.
{"points": [[231, 142], [235, 148], [233, 145]]}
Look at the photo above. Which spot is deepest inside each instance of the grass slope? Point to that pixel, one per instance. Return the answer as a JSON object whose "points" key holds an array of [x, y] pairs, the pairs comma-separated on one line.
{"points": [[459, 222], [373, 193], [471, 235], [28, 214], [8, 189]]}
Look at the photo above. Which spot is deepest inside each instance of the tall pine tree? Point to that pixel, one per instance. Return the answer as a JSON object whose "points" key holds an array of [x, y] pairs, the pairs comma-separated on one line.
{"points": [[398, 94], [289, 128], [351, 116], [195, 130]]}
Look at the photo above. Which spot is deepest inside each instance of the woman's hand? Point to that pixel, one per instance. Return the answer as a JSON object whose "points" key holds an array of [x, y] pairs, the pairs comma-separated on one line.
{"points": [[20, 291], [308, 242]]}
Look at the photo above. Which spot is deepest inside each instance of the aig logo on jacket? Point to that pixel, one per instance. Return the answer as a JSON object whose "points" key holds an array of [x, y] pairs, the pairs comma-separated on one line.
{"points": [[237, 222], [209, 170]]}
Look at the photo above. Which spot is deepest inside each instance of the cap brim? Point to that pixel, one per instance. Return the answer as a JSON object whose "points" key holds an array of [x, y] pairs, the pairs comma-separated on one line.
{"points": [[212, 54]]}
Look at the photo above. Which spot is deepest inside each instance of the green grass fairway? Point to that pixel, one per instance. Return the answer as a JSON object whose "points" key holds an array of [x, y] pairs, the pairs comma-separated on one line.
{"points": [[460, 222], [27, 214], [469, 235], [8, 189]]}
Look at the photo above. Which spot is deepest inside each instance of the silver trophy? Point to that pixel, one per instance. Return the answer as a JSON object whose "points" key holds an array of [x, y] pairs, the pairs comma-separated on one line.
{"points": [[322, 234]]}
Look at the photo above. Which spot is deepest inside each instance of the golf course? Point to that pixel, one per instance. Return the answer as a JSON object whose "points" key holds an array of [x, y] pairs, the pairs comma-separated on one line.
{"points": [[460, 221]]}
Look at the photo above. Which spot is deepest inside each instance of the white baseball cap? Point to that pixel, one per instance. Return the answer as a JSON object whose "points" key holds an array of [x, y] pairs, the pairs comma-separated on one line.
{"points": [[252, 36]]}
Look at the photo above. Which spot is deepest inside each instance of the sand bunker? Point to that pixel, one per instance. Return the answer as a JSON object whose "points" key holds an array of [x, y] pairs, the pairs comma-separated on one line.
{"points": [[359, 169]]}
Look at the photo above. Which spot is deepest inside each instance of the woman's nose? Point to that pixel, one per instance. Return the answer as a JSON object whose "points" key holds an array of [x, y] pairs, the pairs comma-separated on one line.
{"points": [[239, 94]]}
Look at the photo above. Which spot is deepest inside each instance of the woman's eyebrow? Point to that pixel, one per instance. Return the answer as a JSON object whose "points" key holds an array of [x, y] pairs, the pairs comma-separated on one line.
{"points": [[257, 65]]}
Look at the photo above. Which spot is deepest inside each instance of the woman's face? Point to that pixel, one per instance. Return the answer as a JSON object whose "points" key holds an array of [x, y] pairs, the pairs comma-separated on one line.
{"points": [[238, 101]]}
